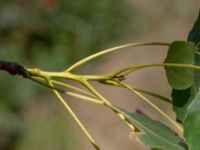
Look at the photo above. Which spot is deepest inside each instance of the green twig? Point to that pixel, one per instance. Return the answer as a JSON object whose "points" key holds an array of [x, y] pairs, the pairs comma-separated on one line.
{"points": [[67, 75]]}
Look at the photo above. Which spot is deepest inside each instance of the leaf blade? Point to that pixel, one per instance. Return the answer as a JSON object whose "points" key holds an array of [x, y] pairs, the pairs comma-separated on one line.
{"points": [[183, 96], [156, 134], [194, 34], [180, 52], [192, 124], [181, 100]]}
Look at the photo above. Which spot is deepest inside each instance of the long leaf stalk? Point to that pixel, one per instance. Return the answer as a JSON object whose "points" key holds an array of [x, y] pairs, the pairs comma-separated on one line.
{"points": [[173, 65], [73, 115], [156, 95], [106, 51], [62, 84], [85, 98], [73, 88], [153, 106], [109, 105]]}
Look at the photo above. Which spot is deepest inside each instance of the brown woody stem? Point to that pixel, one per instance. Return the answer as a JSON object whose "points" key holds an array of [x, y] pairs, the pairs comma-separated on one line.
{"points": [[12, 68]]}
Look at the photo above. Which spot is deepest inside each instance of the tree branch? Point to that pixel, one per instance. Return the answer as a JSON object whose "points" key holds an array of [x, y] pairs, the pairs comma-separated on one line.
{"points": [[13, 68]]}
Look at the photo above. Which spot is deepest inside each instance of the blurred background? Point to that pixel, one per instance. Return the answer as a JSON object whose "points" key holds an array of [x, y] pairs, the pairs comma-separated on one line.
{"points": [[52, 35]]}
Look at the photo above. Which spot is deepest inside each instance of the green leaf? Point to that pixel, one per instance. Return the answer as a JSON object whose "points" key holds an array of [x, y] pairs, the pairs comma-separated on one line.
{"points": [[181, 100], [194, 34], [155, 134], [197, 74], [192, 124], [180, 97], [180, 52]]}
